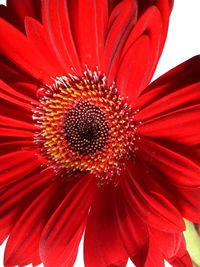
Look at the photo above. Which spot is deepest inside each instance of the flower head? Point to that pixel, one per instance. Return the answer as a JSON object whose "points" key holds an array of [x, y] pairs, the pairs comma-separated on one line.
{"points": [[84, 125], [87, 144]]}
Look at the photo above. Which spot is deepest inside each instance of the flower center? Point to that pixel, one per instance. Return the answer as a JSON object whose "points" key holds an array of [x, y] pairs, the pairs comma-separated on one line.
{"points": [[86, 128], [84, 125]]}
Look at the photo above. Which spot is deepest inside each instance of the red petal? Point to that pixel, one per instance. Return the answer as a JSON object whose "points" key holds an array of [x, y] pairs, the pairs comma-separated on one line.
{"points": [[132, 229], [102, 243], [16, 110], [37, 36], [18, 195], [183, 261], [166, 101], [184, 125], [16, 165], [179, 169], [8, 72], [23, 243], [12, 123], [154, 208], [173, 102], [22, 53], [153, 258], [15, 133], [168, 244], [16, 11], [8, 94], [185, 199], [142, 47], [121, 22], [149, 256], [173, 247], [56, 21], [176, 88], [89, 18], [23, 93], [29, 91], [167, 210], [7, 146], [25, 8], [165, 245], [188, 202], [62, 234], [165, 7]]}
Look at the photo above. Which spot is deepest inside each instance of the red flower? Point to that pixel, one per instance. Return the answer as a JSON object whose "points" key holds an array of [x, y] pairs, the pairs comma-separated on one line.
{"points": [[86, 144]]}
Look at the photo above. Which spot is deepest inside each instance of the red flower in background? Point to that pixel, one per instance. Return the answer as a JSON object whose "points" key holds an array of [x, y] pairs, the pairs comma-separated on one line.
{"points": [[86, 144]]}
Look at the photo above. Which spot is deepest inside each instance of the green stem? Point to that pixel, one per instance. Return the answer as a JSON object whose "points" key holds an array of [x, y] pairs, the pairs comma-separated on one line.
{"points": [[193, 243]]}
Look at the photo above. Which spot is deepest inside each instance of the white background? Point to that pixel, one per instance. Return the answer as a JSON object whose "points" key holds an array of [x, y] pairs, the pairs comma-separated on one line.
{"points": [[182, 43]]}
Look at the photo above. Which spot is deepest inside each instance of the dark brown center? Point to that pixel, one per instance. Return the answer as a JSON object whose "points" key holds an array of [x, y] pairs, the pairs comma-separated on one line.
{"points": [[86, 128]]}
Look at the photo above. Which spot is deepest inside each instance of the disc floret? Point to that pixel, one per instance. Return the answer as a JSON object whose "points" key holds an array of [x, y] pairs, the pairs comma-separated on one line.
{"points": [[84, 125]]}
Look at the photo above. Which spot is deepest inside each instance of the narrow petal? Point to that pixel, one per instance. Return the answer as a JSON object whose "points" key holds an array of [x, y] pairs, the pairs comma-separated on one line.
{"points": [[15, 133], [102, 243], [142, 47], [120, 24], [61, 236], [169, 101], [189, 202], [183, 261], [149, 256], [173, 102], [37, 36], [16, 11], [164, 6], [153, 207], [10, 95], [16, 165], [176, 88], [186, 199], [22, 53], [55, 16], [8, 160], [22, 247], [132, 229], [24, 93], [89, 21], [12, 123], [9, 72], [178, 168], [17, 110], [153, 257], [168, 243], [173, 247], [184, 125], [18, 195], [8, 145]]}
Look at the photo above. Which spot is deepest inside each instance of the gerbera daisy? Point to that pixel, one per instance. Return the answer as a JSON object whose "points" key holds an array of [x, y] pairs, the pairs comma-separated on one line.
{"points": [[87, 144]]}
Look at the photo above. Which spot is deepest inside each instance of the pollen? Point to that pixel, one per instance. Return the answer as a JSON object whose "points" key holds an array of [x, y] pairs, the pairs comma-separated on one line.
{"points": [[84, 125]]}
